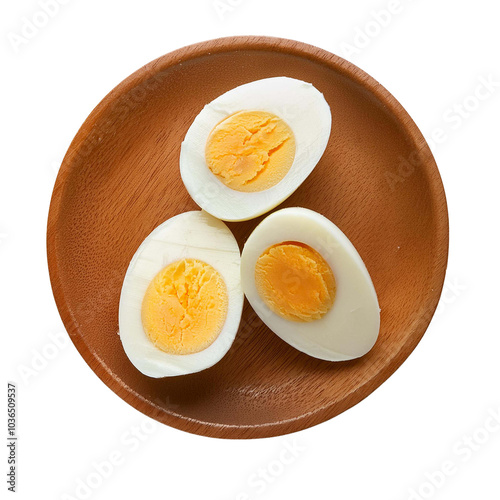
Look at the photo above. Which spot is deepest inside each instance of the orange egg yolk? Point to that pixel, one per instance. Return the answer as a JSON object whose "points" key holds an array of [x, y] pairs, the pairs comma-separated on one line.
{"points": [[295, 281], [185, 307], [250, 150]]}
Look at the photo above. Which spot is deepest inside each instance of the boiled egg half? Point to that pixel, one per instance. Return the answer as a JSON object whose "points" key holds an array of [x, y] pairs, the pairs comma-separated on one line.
{"points": [[309, 285], [252, 147], [181, 299]]}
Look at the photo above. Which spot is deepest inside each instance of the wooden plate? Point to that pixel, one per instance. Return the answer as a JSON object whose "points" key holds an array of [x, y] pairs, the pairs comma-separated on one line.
{"points": [[120, 178]]}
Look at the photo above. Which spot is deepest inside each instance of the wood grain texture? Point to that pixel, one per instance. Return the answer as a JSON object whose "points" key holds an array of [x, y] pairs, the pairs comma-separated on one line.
{"points": [[120, 178]]}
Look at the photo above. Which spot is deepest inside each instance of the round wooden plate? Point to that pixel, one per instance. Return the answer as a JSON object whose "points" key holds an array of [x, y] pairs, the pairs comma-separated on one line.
{"points": [[120, 178]]}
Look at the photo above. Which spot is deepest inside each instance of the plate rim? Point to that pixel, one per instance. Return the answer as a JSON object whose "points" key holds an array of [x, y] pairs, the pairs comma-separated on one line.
{"points": [[437, 197]]}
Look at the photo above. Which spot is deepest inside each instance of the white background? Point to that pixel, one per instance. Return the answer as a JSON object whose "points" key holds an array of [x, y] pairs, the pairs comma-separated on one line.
{"points": [[435, 412]]}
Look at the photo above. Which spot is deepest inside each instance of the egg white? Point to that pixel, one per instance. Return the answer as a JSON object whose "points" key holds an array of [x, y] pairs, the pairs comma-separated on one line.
{"points": [[298, 103], [350, 328], [191, 235]]}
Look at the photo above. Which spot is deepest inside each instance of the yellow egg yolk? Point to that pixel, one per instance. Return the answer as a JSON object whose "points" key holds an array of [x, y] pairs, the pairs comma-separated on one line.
{"points": [[250, 150], [295, 281], [185, 307]]}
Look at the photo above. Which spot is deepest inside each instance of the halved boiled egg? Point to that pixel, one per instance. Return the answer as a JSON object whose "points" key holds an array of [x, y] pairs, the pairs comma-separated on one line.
{"points": [[309, 285], [252, 147], [181, 299]]}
